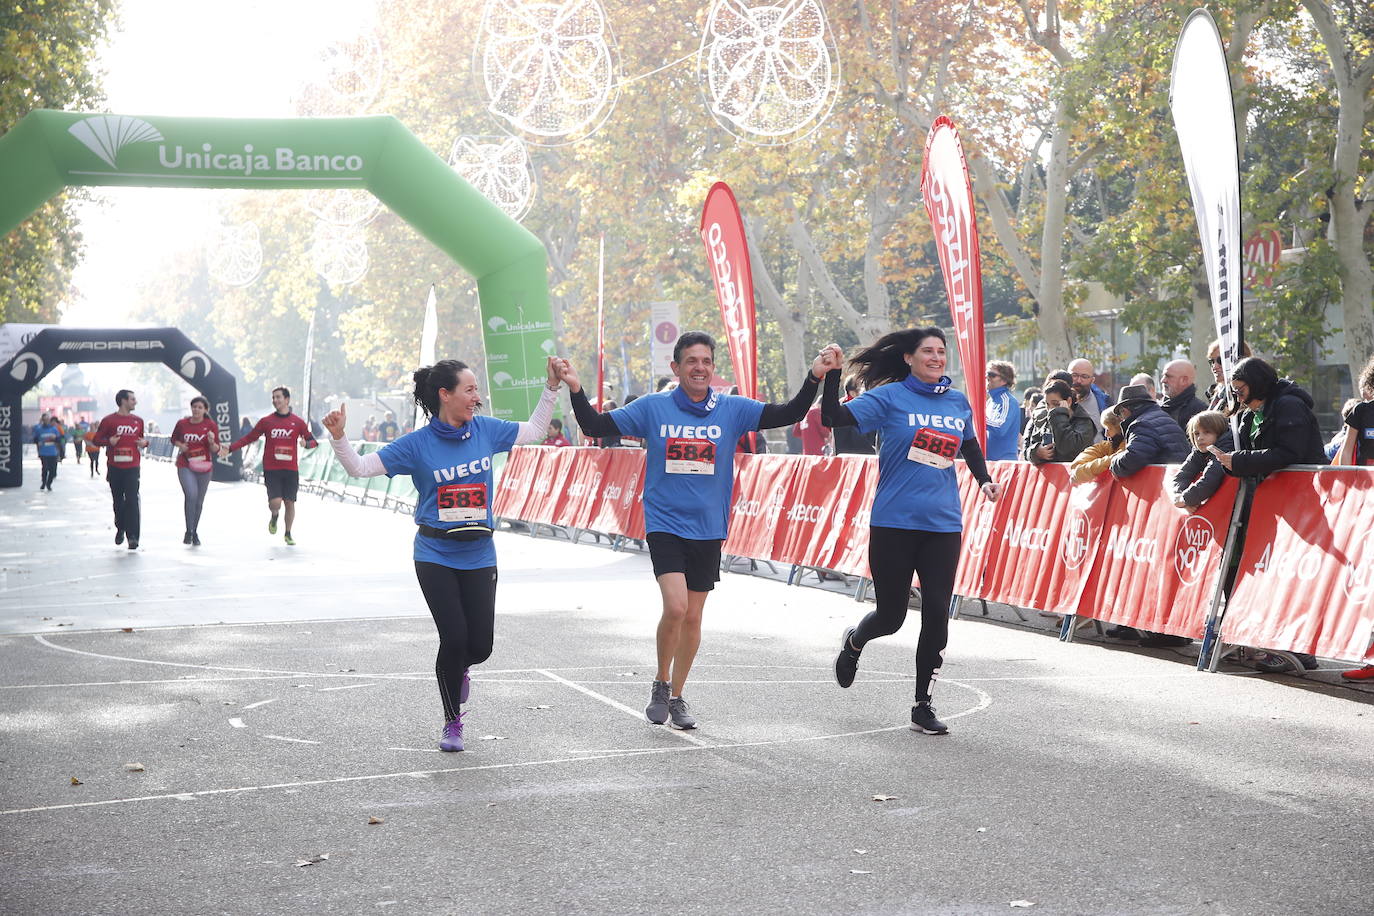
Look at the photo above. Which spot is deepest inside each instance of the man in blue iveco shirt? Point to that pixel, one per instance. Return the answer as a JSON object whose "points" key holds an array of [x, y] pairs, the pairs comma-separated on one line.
{"points": [[690, 435]]}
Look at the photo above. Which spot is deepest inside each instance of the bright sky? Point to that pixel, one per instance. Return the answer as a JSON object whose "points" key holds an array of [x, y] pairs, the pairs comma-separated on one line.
{"points": [[171, 57]]}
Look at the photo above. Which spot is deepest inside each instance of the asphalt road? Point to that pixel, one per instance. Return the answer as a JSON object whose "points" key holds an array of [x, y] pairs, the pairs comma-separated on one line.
{"points": [[265, 702]]}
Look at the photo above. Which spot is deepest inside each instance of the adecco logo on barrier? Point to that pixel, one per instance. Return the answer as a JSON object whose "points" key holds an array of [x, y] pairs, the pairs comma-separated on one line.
{"points": [[1358, 580], [1076, 544], [1190, 546], [981, 531]]}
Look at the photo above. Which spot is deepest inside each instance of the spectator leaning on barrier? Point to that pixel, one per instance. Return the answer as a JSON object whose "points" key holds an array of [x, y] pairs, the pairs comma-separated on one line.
{"points": [[1216, 395], [1003, 412], [1333, 447], [1152, 437], [1277, 425], [1092, 398], [1030, 401], [1096, 459], [1060, 429], [1201, 475], [1358, 447], [1148, 380], [1180, 392], [555, 435]]}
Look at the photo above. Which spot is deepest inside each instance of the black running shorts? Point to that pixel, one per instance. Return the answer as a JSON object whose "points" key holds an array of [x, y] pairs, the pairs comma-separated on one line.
{"points": [[281, 484], [699, 561]]}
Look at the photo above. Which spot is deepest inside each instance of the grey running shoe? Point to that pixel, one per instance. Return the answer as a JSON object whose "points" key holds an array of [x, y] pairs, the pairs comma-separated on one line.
{"points": [[657, 710], [677, 708], [847, 662], [923, 720]]}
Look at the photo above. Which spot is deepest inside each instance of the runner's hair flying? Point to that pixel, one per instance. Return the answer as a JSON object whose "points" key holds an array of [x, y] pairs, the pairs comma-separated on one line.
{"points": [[429, 379], [883, 362]]}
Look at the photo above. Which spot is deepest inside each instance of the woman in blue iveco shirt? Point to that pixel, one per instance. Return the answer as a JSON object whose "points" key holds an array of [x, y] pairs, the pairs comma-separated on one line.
{"points": [[449, 461], [916, 522]]}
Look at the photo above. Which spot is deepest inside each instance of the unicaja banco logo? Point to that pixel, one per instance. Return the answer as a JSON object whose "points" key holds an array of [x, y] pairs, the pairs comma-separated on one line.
{"points": [[106, 135]]}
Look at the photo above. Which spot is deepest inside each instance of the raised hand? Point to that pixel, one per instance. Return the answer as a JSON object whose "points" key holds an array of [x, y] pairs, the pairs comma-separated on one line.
{"points": [[555, 379], [831, 357], [568, 374], [336, 420]]}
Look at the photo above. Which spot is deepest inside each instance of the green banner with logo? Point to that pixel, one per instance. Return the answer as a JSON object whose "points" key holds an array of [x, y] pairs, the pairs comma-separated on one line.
{"points": [[49, 150]]}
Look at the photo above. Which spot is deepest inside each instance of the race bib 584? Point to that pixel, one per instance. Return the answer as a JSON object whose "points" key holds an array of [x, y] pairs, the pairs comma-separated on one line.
{"points": [[690, 456]]}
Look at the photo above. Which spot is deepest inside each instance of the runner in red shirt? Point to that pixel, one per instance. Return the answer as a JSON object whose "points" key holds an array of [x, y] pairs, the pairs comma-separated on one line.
{"points": [[195, 438], [280, 471], [122, 434]]}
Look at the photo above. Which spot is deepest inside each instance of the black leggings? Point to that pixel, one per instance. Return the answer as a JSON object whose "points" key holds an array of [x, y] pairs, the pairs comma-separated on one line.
{"points": [[49, 463], [894, 555], [463, 602]]}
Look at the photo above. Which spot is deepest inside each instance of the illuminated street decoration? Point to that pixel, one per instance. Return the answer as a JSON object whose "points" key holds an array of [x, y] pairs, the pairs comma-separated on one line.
{"points": [[499, 168]]}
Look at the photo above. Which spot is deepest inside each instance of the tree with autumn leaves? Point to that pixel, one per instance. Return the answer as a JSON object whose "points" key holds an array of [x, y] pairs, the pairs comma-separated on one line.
{"points": [[1062, 108]]}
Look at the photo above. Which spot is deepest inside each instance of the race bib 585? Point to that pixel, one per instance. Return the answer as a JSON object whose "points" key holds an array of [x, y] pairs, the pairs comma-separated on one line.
{"points": [[934, 448]]}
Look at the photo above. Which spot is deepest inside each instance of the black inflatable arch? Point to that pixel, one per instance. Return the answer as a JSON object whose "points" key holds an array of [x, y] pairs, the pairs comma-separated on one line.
{"points": [[53, 346]]}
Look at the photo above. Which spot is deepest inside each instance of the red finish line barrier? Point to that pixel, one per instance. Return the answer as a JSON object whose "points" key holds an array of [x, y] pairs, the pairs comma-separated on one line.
{"points": [[1118, 551], [1306, 577]]}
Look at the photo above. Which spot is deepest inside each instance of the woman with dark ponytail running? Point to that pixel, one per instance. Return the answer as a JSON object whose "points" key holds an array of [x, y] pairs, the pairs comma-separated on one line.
{"points": [[916, 522], [449, 461]]}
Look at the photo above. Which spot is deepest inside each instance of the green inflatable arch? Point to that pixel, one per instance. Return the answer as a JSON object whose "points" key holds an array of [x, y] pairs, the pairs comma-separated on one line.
{"points": [[49, 150]]}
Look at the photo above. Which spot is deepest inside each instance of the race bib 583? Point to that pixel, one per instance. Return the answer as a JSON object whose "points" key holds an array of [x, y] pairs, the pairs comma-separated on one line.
{"points": [[462, 502]]}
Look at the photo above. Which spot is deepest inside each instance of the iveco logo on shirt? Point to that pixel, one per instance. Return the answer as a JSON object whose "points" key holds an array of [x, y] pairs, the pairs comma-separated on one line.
{"points": [[462, 470], [669, 430], [935, 420], [111, 345]]}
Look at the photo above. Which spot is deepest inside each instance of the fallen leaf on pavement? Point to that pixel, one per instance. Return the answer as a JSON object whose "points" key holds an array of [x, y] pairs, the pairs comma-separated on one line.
{"points": [[75, 781], [134, 767], [492, 738], [126, 629], [862, 852], [313, 860], [981, 830], [884, 797], [1022, 903], [539, 707], [859, 871], [375, 820]]}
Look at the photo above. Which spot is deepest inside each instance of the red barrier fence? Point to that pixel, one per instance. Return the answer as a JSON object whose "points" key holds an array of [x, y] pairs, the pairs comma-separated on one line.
{"points": [[1118, 551]]}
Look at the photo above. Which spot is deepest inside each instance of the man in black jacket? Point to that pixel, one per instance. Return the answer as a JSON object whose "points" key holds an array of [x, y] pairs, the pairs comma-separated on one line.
{"points": [[1152, 437], [1180, 393], [1277, 426]]}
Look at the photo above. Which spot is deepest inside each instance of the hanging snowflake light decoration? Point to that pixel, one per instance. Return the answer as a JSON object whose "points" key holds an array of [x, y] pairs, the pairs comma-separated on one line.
{"points": [[499, 168], [549, 67], [339, 253], [234, 254], [343, 206], [770, 71], [346, 79]]}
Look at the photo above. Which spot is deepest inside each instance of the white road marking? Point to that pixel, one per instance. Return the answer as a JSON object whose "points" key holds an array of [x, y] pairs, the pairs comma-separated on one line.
{"points": [[237, 723], [615, 704], [344, 687], [259, 703], [292, 740]]}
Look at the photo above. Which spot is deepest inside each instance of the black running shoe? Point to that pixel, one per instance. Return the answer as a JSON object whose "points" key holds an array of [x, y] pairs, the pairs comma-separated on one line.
{"points": [[133, 545], [847, 661], [923, 720], [187, 538], [119, 535], [195, 539]]}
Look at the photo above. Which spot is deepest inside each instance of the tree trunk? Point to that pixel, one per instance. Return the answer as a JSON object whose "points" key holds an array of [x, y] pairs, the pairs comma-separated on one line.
{"points": [[1346, 231], [1053, 322], [791, 322]]}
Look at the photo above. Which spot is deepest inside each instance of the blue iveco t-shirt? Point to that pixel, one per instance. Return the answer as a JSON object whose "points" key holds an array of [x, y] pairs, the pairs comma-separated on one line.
{"points": [[690, 460], [454, 481], [1003, 414], [47, 438], [921, 435]]}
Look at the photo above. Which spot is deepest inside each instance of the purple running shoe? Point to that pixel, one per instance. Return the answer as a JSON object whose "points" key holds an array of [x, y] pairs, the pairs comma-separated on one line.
{"points": [[453, 735]]}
